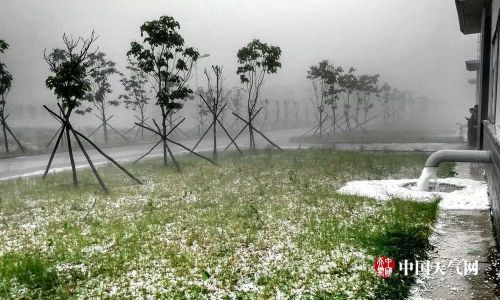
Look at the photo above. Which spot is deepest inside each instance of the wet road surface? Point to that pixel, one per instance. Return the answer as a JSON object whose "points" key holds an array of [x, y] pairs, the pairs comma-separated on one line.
{"points": [[36, 164]]}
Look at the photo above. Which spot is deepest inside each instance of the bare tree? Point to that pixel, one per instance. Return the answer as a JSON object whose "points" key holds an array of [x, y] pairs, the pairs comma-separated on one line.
{"points": [[201, 113], [216, 103]]}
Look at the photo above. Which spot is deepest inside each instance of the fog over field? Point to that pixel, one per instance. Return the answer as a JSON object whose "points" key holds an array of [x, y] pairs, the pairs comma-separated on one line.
{"points": [[246, 149], [413, 45]]}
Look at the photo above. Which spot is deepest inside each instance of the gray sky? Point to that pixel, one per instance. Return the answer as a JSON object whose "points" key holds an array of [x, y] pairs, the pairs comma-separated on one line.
{"points": [[413, 44]]}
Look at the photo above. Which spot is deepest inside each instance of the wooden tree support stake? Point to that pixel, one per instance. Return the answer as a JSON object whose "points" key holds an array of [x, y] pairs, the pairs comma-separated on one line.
{"points": [[91, 164], [175, 143], [108, 157], [110, 126], [212, 124], [166, 144], [242, 129], [258, 131], [53, 137], [135, 126], [156, 145], [220, 123], [3, 122], [171, 125], [146, 154], [67, 128]]}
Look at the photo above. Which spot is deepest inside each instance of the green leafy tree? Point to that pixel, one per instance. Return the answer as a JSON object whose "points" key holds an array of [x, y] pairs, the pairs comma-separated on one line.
{"points": [[137, 96], [5, 85], [100, 88], [317, 75], [70, 67], [256, 60], [163, 56], [367, 86], [349, 84], [325, 80], [333, 75], [73, 69]]}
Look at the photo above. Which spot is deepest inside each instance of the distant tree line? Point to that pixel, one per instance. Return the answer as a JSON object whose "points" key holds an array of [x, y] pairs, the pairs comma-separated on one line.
{"points": [[344, 100], [158, 72]]}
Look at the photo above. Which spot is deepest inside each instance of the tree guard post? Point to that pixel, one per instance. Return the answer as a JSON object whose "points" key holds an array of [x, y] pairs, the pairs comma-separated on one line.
{"points": [[259, 132]]}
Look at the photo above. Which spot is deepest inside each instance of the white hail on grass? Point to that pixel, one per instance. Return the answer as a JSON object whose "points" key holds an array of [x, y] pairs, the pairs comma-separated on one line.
{"points": [[473, 195]]}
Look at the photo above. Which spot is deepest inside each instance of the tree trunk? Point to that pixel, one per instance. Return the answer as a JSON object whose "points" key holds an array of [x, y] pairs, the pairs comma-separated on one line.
{"points": [[201, 128], [346, 113], [367, 98], [142, 128], [5, 136], [358, 107], [357, 114], [321, 122], [105, 126], [142, 122], [164, 128], [250, 130], [72, 161], [215, 134], [63, 141], [334, 119]]}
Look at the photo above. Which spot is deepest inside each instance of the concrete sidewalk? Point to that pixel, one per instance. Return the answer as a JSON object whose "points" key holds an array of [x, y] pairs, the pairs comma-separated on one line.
{"points": [[460, 235]]}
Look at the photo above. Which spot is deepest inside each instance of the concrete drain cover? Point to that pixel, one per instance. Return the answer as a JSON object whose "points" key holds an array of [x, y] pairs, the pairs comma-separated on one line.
{"points": [[441, 187]]}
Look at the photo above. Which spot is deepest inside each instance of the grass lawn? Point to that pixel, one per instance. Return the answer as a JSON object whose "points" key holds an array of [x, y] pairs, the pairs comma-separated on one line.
{"points": [[255, 227]]}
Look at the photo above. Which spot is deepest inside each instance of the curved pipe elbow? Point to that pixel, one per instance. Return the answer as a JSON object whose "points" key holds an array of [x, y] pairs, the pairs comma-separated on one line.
{"points": [[473, 156]]}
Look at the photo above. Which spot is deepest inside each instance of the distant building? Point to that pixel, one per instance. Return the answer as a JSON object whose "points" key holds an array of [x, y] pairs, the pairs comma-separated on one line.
{"points": [[481, 17]]}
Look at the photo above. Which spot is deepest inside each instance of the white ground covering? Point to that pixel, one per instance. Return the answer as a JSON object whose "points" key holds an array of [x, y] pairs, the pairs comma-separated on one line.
{"points": [[473, 196]]}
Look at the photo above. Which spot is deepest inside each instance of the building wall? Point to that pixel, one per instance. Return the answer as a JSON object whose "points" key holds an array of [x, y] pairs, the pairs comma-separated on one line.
{"points": [[491, 141], [493, 177], [493, 109], [495, 6]]}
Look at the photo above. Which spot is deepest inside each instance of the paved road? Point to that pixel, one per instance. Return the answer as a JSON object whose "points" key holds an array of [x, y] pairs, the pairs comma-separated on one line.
{"points": [[35, 165]]}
